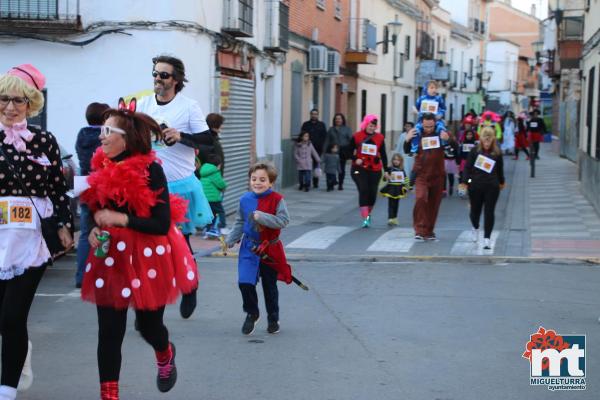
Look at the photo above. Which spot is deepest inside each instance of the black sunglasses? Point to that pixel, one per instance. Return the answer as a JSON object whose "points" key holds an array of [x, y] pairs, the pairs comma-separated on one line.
{"points": [[163, 75]]}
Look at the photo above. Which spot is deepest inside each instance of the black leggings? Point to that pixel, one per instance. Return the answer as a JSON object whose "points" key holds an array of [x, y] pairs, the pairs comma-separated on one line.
{"points": [[486, 196], [367, 183], [16, 296], [393, 208], [524, 150], [111, 330]]}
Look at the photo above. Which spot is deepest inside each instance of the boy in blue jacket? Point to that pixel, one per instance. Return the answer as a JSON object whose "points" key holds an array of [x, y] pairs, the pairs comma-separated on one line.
{"points": [[429, 102]]}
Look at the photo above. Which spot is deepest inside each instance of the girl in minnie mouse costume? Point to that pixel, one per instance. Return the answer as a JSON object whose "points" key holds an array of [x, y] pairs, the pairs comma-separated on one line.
{"points": [[147, 263]]}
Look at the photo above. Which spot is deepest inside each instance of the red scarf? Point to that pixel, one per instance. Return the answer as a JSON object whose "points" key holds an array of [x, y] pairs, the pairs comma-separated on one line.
{"points": [[125, 183]]}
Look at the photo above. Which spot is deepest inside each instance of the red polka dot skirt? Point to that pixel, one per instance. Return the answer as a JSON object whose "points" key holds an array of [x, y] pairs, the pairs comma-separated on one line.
{"points": [[142, 271]]}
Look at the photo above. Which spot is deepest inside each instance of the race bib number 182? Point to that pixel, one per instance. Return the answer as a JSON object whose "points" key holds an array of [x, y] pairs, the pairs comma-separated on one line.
{"points": [[16, 213]]}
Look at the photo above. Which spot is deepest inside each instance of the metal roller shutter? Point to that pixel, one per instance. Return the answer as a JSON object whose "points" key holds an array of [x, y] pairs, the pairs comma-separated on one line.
{"points": [[236, 139]]}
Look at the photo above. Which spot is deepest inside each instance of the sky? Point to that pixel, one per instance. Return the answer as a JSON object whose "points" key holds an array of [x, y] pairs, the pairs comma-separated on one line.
{"points": [[525, 5]]}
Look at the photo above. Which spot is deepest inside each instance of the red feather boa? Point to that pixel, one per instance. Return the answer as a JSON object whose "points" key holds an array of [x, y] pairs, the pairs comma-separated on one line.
{"points": [[125, 183]]}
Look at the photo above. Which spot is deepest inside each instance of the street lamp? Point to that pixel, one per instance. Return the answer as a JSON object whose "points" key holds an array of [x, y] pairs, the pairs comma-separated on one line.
{"points": [[395, 27]]}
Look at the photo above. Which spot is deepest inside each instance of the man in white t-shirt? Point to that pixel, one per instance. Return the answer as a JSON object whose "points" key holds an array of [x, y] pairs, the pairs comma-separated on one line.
{"points": [[185, 129]]}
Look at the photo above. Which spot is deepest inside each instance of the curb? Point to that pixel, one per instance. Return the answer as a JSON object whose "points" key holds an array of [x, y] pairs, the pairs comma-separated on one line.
{"points": [[432, 259]]}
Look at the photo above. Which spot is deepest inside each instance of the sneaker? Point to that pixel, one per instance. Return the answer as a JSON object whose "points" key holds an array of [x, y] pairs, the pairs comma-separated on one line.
{"points": [[431, 238], [167, 373], [341, 187], [225, 231], [273, 327], [419, 237], [188, 304], [366, 222], [250, 324], [487, 245], [26, 378], [213, 232], [393, 222], [474, 235]]}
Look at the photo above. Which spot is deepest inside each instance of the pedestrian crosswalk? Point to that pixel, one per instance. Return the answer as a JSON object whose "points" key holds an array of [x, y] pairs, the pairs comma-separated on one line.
{"points": [[347, 240]]}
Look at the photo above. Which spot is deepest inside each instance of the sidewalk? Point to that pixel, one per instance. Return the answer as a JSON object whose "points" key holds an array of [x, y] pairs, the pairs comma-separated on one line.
{"points": [[562, 221]]}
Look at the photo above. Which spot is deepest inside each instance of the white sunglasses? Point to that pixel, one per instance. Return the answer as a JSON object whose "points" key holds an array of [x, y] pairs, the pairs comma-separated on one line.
{"points": [[108, 130]]}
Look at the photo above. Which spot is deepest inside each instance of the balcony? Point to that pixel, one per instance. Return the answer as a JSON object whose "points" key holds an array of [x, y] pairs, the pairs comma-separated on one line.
{"points": [[362, 42], [425, 45], [40, 16]]}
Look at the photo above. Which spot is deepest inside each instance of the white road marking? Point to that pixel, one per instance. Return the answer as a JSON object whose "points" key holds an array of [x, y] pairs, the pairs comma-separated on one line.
{"points": [[76, 293], [320, 238], [398, 240], [464, 246]]}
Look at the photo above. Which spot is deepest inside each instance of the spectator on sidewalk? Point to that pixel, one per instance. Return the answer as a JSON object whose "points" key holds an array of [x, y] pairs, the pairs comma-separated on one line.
{"points": [[86, 144], [214, 186], [215, 123], [306, 156], [369, 159], [318, 134], [407, 157], [331, 166], [340, 134], [430, 172], [484, 176]]}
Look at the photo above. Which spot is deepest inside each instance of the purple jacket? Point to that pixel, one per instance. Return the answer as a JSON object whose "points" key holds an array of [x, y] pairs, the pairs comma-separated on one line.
{"points": [[303, 154]]}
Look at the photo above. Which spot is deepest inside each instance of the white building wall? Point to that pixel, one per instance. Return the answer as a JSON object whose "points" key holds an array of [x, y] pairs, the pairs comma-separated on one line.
{"points": [[459, 10], [113, 66], [502, 61], [379, 79]]}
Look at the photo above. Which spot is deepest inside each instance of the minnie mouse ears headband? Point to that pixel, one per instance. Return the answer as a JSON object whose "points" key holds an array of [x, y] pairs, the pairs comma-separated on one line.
{"points": [[127, 108]]}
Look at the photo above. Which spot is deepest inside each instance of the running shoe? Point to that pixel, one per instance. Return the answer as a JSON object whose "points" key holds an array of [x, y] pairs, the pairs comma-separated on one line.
{"points": [[367, 222], [393, 222], [474, 235], [167, 373], [273, 327], [487, 245], [250, 324]]}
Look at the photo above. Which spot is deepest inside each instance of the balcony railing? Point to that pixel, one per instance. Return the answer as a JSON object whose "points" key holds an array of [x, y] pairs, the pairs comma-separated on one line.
{"points": [[40, 15], [362, 42], [425, 45]]}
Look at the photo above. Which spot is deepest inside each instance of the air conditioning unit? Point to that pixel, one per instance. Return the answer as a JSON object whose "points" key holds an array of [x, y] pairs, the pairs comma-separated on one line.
{"points": [[317, 58], [333, 62], [277, 26], [237, 18]]}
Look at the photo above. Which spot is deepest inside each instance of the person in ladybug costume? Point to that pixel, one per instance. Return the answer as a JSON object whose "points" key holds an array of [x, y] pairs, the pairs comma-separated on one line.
{"points": [[368, 147]]}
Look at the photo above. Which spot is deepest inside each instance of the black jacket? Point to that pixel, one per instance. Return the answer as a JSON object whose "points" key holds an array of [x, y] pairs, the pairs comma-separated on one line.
{"points": [[317, 132], [476, 177], [87, 142]]}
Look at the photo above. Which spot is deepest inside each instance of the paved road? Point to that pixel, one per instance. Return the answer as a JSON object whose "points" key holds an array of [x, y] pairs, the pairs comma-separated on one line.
{"points": [[363, 331]]}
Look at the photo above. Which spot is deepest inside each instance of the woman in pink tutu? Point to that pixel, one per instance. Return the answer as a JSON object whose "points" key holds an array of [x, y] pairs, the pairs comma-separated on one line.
{"points": [[147, 262]]}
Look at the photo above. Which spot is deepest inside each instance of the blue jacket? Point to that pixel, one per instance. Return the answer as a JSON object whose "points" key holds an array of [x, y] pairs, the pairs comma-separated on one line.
{"points": [[441, 104], [87, 142]]}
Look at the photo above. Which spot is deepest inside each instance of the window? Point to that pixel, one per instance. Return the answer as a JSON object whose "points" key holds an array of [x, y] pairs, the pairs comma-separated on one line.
{"points": [[363, 103], [407, 47], [590, 106], [386, 37], [246, 14], [338, 9], [400, 65], [572, 28], [470, 68], [321, 4], [29, 9], [598, 119], [383, 113], [404, 110]]}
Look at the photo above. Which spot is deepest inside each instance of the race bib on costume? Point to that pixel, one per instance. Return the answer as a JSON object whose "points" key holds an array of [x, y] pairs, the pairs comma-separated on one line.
{"points": [[432, 142], [368, 149], [429, 106], [533, 124], [16, 212], [484, 163], [466, 147], [396, 176]]}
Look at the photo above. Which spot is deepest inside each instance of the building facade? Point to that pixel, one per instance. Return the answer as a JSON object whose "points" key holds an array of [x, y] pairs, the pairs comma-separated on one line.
{"points": [[589, 143]]}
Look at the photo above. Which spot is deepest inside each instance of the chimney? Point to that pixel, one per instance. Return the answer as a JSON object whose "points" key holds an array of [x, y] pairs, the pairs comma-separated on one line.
{"points": [[533, 10]]}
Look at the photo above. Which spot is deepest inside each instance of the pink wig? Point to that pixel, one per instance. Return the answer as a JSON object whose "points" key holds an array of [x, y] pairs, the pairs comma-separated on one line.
{"points": [[367, 120]]}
